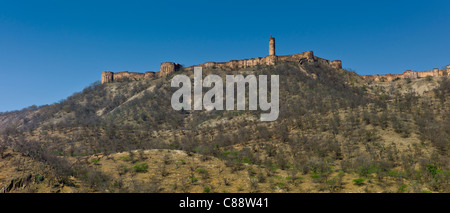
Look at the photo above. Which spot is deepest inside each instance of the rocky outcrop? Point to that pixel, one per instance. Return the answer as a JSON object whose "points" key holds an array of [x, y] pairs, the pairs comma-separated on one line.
{"points": [[336, 64], [17, 183]]}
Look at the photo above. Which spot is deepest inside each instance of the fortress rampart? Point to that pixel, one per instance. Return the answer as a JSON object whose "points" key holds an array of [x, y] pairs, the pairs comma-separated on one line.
{"points": [[170, 67], [108, 77], [409, 74], [268, 60]]}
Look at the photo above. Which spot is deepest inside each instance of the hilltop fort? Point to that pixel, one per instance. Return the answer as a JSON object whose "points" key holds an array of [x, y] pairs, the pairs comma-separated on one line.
{"points": [[171, 67], [409, 74]]}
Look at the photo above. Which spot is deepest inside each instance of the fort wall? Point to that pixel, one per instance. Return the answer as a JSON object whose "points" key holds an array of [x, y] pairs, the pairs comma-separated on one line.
{"points": [[409, 74], [108, 77], [168, 68]]}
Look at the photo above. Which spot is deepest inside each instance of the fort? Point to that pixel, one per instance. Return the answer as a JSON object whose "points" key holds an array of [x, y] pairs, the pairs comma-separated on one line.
{"points": [[170, 67], [409, 74]]}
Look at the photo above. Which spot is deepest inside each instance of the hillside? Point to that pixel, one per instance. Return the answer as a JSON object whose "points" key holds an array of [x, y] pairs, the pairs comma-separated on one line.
{"points": [[336, 133]]}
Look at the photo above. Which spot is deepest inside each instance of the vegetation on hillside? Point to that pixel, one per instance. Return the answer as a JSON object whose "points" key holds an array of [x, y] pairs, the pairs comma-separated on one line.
{"points": [[333, 125]]}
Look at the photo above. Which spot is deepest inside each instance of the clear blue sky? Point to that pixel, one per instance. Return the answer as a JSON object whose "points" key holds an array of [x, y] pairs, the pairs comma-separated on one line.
{"points": [[51, 49]]}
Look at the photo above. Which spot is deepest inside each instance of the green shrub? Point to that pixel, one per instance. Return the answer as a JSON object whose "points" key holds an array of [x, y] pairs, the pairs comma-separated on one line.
{"points": [[39, 178], [140, 167], [396, 174], [359, 181], [125, 158], [246, 160], [206, 189], [365, 171], [432, 169], [193, 179], [402, 188], [202, 171]]}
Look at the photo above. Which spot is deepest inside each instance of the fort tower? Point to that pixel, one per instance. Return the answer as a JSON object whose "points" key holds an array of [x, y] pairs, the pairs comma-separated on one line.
{"points": [[107, 77], [271, 45]]}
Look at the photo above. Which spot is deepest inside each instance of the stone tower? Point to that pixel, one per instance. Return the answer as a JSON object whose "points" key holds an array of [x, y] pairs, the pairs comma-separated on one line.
{"points": [[271, 45], [107, 77], [168, 67]]}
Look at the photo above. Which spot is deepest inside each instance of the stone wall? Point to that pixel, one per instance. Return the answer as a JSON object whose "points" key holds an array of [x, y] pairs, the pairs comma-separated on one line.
{"points": [[409, 74], [108, 77], [268, 60], [168, 68]]}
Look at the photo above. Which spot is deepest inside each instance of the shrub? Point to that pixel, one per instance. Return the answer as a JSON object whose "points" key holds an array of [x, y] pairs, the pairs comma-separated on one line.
{"points": [[193, 179], [359, 181], [122, 169], [432, 169], [206, 189], [402, 188], [39, 178], [125, 158], [140, 167], [202, 171]]}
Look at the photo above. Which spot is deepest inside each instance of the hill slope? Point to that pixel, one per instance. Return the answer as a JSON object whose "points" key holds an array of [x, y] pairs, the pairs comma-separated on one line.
{"points": [[335, 132]]}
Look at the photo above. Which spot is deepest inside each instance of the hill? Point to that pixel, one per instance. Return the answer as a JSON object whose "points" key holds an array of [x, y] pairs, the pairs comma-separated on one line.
{"points": [[336, 132]]}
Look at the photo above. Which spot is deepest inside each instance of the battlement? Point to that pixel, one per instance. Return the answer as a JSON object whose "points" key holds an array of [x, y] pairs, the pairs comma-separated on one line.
{"points": [[409, 74], [108, 77], [168, 68], [268, 60]]}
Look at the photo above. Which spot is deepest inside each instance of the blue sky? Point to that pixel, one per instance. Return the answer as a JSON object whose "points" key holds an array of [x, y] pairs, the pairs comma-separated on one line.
{"points": [[51, 49]]}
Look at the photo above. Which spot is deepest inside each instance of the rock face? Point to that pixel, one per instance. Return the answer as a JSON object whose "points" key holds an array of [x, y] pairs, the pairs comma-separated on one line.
{"points": [[336, 64], [17, 183], [168, 68], [409, 74]]}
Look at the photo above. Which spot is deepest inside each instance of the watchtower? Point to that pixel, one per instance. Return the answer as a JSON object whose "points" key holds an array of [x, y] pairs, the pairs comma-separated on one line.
{"points": [[271, 45]]}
